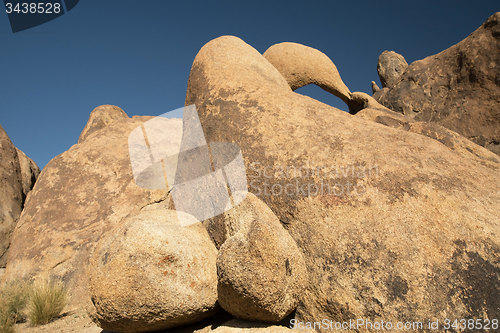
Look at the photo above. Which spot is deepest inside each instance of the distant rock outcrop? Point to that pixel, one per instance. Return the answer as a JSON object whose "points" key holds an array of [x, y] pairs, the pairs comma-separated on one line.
{"points": [[153, 274], [101, 117], [80, 195], [458, 88], [390, 66], [18, 174], [392, 224]]}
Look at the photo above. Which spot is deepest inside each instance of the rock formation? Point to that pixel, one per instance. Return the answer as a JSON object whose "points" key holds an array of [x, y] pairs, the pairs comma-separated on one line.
{"points": [[81, 195], [302, 65], [101, 117], [390, 66], [18, 174], [375, 88], [152, 274], [458, 88], [372, 215], [392, 224]]}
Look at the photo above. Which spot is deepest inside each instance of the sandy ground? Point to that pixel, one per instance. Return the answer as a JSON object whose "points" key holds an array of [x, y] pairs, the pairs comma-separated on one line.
{"points": [[68, 323], [79, 322]]}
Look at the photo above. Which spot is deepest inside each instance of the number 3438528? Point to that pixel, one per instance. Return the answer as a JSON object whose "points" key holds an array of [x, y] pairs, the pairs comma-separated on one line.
{"points": [[33, 8]]}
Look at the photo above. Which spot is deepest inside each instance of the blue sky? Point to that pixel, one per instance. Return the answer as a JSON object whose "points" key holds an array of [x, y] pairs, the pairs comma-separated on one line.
{"points": [[138, 54]]}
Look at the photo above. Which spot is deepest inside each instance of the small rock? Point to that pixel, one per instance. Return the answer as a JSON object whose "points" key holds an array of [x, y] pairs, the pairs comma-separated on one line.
{"points": [[375, 88], [152, 274]]}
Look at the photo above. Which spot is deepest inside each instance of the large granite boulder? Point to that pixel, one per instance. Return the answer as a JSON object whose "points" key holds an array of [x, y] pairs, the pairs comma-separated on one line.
{"points": [[152, 274], [458, 88], [79, 196], [11, 193], [261, 272], [393, 225]]}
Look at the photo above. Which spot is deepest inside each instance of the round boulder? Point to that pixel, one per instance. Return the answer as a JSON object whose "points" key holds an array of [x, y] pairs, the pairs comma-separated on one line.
{"points": [[261, 270], [390, 67], [152, 274]]}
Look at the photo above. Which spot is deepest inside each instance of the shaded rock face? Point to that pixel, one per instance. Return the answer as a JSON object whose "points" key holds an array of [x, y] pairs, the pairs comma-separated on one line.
{"points": [[261, 272], [79, 196], [152, 274], [458, 88], [390, 66], [11, 193], [29, 172], [236, 326], [393, 225]]}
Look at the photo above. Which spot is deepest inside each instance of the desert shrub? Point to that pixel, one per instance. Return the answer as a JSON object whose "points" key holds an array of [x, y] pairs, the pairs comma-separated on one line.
{"points": [[15, 295], [6, 321], [46, 302], [13, 298]]}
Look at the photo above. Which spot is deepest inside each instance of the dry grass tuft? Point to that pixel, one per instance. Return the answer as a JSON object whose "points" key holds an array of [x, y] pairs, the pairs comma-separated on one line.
{"points": [[13, 299], [46, 301]]}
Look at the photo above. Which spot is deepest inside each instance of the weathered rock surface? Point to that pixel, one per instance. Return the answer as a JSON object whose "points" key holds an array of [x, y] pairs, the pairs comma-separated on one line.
{"points": [[29, 172], [458, 88], [101, 117], [450, 139], [261, 271], [393, 225], [375, 87], [80, 196], [153, 274], [390, 67], [302, 65], [11, 193]]}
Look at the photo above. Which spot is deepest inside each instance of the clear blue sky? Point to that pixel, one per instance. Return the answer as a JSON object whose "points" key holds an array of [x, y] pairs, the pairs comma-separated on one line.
{"points": [[138, 54]]}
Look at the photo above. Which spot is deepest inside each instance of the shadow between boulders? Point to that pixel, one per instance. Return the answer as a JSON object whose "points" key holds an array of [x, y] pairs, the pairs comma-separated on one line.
{"points": [[222, 318]]}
